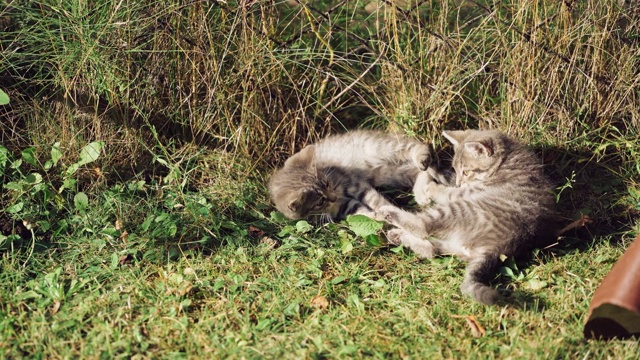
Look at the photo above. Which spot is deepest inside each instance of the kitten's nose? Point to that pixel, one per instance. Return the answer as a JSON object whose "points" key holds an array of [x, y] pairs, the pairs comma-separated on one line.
{"points": [[332, 197]]}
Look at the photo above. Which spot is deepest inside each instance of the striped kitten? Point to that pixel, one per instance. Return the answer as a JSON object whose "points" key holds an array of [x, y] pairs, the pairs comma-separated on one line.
{"points": [[336, 176], [500, 203]]}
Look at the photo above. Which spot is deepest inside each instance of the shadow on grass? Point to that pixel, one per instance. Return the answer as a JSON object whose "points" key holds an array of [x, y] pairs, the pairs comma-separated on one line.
{"points": [[525, 301], [591, 187], [584, 187]]}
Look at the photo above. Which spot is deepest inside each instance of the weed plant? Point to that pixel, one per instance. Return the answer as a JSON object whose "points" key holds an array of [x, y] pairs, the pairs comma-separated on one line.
{"points": [[137, 136]]}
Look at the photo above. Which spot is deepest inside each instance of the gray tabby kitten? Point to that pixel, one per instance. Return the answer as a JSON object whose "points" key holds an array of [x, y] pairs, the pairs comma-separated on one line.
{"points": [[500, 203], [336, 176]]}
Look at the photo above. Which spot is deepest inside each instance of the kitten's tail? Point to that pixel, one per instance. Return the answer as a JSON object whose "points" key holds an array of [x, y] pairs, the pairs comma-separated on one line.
{"points": [[479, 272]]}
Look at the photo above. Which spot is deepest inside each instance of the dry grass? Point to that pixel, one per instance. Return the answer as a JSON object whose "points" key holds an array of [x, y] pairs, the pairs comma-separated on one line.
{"points": [[263, 77]]}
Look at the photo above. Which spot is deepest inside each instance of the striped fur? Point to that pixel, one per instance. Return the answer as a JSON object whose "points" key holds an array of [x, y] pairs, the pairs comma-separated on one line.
{"points": [[499, 203], [337, 176]]}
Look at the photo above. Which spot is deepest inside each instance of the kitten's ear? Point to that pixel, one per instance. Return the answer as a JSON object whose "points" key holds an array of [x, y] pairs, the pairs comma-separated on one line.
{"points": [[455, 136], [305, 158], [479, 149]]}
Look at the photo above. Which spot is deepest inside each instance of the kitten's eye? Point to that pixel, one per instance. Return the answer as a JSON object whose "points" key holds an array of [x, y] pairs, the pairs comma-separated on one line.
{"points": [[467, 172]]}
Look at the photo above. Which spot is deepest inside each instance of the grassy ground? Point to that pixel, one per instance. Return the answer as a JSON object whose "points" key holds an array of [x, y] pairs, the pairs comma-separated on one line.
{"points": [[138, 137]]}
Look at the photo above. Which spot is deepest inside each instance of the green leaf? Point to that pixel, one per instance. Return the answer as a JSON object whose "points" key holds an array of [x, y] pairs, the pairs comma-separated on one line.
{"points": [[136, 185], [15, 208], [29, 155], [56, 154], [14, 185], [363, 226], [33, 178], [91, 152], [68, 183], [287, 230], [4, 98], [356, 302], [72, 169], [115, 261], [162, 217], [171, 229], [506, 271], [337, 280], [81, 201], [303, 226], [277, 217], [535, 284], [292, 309], [4, 157], [27, 295], [373, 240], [48, 164], [111, 231], [44, 225], [16, 164], [146, 224], [346, 247]]}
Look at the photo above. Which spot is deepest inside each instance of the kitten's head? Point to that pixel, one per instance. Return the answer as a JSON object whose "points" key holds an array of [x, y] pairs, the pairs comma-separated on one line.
{"points": [[299, 189], [478, 154]]}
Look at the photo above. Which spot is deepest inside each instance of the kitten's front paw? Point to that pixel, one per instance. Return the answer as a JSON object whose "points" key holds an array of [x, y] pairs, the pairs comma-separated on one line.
{"points": [[425, 177], [426, 190], [422, 156]]}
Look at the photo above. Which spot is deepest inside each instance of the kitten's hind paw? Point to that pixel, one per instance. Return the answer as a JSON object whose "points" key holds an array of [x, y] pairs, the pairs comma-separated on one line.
{"points": [[389, 214], [394, 236], [421, 247]]}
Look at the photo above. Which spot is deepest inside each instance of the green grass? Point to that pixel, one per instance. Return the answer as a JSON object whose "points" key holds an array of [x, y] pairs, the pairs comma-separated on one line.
{"points": [[250, 300], [162, 243]]}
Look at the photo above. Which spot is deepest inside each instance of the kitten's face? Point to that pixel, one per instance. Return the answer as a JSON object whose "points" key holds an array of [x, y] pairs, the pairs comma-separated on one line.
{"points": [[313, 197], [302, 191], [477, 155]]}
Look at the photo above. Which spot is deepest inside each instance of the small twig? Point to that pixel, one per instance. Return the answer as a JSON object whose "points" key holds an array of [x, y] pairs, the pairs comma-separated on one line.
{"points": [[352, 83], [583, 221]]}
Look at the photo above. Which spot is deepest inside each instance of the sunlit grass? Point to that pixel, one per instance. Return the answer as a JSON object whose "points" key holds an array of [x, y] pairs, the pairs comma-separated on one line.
{"points": [[174, 251]]}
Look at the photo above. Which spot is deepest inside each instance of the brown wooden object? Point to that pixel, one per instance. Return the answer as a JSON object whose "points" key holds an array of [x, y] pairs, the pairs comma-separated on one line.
{"points": [[614, 311]]}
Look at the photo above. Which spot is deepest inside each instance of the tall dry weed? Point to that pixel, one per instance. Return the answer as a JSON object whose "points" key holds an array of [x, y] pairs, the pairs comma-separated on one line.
{"points": [[261, 78]]}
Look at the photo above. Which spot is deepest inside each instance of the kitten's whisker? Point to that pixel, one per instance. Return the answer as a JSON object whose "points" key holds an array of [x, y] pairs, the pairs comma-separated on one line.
{"points": [[327, 218]]}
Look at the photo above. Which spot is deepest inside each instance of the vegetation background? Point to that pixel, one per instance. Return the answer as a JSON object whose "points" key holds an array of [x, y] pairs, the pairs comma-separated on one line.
{"points": [[139, 134]]}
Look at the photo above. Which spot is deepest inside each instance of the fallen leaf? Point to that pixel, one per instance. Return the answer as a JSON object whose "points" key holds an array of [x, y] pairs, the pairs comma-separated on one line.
{"points": [[185, 289], [97, 172], [319, 302], [124, 236], [271, 243], [56, 307], [476, 329], [255, 232], [118, 224]]}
